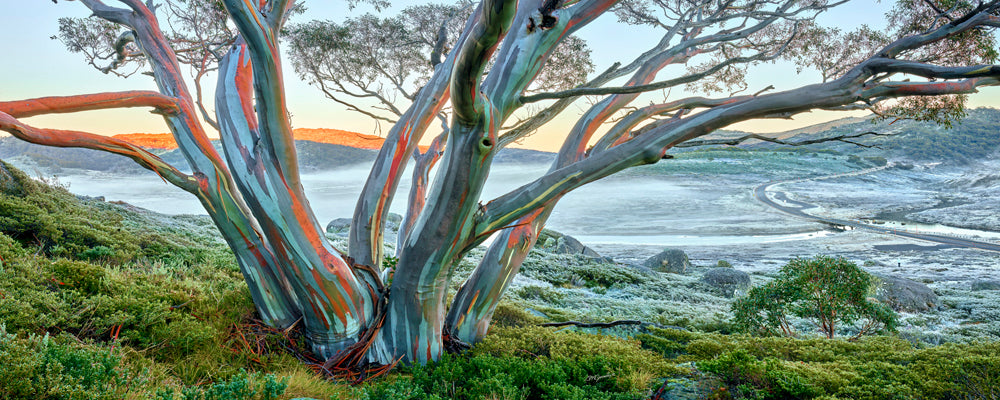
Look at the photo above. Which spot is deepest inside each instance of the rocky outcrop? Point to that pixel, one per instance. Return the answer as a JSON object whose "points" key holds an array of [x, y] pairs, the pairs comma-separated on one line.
{"points": [[981, 284], [342, 226], [906, 295], [729, 281], [555, 242], [670, 260], [339, 226]]}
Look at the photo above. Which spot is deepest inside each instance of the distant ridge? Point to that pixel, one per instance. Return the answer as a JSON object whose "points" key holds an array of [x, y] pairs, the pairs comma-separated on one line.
{"points": [[165, 141]]}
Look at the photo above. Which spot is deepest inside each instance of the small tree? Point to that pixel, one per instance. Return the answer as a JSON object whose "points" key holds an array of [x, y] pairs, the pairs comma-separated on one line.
{"points": [[825, 290]]}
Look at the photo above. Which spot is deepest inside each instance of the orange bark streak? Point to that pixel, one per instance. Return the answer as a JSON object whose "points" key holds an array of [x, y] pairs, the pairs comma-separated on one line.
{"points": [[87, 102]]}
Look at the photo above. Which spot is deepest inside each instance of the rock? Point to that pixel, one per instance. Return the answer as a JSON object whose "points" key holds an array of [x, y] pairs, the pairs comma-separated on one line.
{"points": [[392, 222], [730, 281], [980, 284], [559, 243], [342, 226], [339, 226], [669, 260], [906, 295]]}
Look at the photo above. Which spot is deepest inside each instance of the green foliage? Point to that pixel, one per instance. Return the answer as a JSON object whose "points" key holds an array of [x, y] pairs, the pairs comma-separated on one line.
{"points": [[548, 295], [241, 386], [723, 264], [41, 367], [532, 363], [50, 218], [389, 263], [824, 289], [510, 315], [878, 367]]}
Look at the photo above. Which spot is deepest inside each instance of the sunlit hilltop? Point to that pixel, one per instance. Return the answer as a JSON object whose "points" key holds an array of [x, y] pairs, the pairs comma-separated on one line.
{"points": [[322, 135]]}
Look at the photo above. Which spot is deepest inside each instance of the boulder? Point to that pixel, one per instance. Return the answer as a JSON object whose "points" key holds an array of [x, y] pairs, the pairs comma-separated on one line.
{"points": [[339, 226], [906, 295], [981, 284], [342, 226], [731, 282], [559, 243], [669, 260]]}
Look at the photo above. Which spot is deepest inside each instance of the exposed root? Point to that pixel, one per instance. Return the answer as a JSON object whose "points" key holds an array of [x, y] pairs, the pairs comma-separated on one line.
{"points": [[452, 344], [255, 339], [351, 365]]}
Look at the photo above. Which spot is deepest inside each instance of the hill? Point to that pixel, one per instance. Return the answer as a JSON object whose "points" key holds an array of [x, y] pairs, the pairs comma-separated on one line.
{"points": [[973, 138], [318, 150], [164, 141]]}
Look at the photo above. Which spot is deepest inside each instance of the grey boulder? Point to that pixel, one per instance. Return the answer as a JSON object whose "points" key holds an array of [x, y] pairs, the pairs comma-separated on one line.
{"points": [[985, 285], [669, 260], [906, 295], [731, 282]]}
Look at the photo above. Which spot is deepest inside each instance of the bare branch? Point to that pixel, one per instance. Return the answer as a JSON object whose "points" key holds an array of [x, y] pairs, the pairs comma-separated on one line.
{"points": [[741, 139], [98, 101], [650, 87], [64, 138]]}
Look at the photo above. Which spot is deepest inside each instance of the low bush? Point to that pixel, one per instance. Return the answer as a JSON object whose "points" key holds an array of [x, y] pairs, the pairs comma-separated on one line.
{"points": [[43, 367], [533, 363], [878, 367]]}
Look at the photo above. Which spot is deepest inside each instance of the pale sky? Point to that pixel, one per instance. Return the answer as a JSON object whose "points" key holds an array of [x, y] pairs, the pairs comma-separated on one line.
{"points": [[34, 66]]}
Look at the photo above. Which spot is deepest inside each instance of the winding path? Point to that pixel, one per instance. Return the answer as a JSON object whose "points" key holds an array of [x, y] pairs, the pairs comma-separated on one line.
{"points": [[797, 208]]}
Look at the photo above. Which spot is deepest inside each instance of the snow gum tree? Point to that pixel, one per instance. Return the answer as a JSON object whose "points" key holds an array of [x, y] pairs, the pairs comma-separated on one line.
{"points": [[490, 73]]}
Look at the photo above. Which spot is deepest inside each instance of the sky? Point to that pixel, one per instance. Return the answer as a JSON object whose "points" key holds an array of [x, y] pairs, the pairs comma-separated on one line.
{"points": [[34, 65]]}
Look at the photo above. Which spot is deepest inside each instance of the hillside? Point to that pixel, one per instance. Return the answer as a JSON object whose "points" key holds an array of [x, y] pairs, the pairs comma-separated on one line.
{"points": [[164, 141], [971, 139], [318, 150]]}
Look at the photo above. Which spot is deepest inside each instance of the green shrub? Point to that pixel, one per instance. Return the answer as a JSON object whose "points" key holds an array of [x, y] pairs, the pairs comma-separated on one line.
{"points": [[55, 221], [826, 289], [241, 386], [486, 376], [48, 368], [544, 294], [873, 367], [512, 315]]}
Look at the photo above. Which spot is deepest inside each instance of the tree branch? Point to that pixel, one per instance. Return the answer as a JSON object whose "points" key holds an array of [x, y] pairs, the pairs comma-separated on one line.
{"points": [[99, 101], [741, 139], [493, 18], [64, 138], [650, 87], [888, 65]]}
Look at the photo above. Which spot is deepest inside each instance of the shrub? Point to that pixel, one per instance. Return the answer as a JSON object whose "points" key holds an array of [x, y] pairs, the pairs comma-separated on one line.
{"points": [[241, 386], [826, 289], [532, 363], [42, 367], [873, 367]]}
